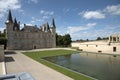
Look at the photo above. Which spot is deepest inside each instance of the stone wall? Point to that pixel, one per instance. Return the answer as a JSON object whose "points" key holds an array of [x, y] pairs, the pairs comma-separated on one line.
{"points": [[75, 44], [30, 40], [1, 52], [100, 48]]}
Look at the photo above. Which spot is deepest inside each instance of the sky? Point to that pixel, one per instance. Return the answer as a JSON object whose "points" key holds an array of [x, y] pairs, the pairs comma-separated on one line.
{"points": [[82, 19]]}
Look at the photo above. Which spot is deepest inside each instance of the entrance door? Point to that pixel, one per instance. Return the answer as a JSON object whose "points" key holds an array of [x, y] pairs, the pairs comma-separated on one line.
{"points": [[34, 47], [114, 49]]}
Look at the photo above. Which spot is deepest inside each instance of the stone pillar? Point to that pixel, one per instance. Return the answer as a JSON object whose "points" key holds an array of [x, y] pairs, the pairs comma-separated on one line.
{"points": [[109, 38], [119, 39], [112, 39], [1, 52], [116, 38]]}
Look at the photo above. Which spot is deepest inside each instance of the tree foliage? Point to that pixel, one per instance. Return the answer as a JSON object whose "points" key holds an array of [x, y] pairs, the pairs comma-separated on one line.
{"points": [[3, 40], [104, 38], [99, 38], [63, 41]]}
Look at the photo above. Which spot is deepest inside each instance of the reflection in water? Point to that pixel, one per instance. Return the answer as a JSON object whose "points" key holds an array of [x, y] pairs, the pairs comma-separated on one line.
{"points": [[102, 67]]}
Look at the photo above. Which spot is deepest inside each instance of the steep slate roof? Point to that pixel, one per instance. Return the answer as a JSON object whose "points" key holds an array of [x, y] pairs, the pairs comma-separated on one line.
{"points": [[53, 23], [28, 28], [9, 18]]}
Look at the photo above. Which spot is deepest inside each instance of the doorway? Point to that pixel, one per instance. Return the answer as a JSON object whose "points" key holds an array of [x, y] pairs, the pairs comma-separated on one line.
{"points": [[114, 49], [34, 47]]}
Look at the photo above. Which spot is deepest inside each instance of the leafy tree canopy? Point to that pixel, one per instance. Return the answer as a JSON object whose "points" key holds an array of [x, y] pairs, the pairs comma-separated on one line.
{"points": [[63, 40]]}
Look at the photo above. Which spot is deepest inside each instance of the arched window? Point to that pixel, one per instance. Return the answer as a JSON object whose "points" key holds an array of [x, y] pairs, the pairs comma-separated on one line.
{"points": [[114, 39]]}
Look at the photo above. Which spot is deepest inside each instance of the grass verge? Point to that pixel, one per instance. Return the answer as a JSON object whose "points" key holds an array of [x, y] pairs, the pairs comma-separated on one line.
{"points": [[38, 55]]}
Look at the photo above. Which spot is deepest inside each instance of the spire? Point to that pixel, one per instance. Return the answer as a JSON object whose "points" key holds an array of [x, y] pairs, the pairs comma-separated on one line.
{"points": [[16, 25], [9, 18], [53, 23], [15, 21], [48, 28]]}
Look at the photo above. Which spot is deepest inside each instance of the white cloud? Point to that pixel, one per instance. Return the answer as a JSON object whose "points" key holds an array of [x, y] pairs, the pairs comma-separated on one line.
{"points": [[42, 11], [105, 32], [1, 15], [33, 1], [2, 29], [93, 15], [100, 14], [45, 17], [65, 10], [114, 9], [8, 4], [112, 27], [46, 12], [59, 32], [74, 29], [36, 20]]}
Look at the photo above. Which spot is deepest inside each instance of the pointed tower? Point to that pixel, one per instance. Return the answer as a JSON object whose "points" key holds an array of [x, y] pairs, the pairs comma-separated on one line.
{"points": [[9, 18], [53, 30], [48, 28], [15, 21], [16, 25], [53, 23], [9, 30], [9, 22]]}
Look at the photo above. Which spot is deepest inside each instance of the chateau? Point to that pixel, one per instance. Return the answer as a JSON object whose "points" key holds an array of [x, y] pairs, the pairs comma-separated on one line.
{"points": [[29, 37], [103, 46]]}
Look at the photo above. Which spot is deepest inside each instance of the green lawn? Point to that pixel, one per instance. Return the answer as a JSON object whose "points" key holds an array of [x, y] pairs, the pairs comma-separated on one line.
{"points": [[38, 55]]}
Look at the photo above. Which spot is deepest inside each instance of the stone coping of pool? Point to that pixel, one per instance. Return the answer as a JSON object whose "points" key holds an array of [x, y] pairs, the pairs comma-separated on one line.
{"points": [[2, 68], [100, 53]]}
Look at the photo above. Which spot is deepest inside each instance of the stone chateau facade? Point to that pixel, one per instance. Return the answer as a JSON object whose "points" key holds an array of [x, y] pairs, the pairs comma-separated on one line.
{"points": [[29, 37]]}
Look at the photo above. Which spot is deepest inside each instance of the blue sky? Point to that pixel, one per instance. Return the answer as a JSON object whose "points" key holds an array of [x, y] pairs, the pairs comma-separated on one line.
{"points": [[82, 19]]}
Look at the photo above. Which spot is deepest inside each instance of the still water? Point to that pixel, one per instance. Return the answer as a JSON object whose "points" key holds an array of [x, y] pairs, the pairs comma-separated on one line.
{"points": [[99, 66]]}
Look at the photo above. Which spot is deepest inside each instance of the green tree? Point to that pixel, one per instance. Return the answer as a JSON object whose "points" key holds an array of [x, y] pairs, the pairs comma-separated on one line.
{"points": [[2, 35], [67, 40], [63, 41], [105, 38], [3, 40], [99, 38]]}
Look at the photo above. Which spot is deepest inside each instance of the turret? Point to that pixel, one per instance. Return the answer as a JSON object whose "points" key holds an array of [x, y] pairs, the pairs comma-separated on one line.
{"points": [[9, 18], [9, 30], [53, 27], [53, 30], [9, 22], [53, 23], [47, 27], [16, 25]]}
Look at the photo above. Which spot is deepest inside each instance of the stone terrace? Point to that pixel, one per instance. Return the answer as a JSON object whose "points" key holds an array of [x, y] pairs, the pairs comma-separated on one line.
{"points": [[17, 62]]}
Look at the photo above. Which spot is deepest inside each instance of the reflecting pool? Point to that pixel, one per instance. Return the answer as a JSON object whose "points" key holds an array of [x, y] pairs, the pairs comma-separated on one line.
{"points": [[99, 66]]}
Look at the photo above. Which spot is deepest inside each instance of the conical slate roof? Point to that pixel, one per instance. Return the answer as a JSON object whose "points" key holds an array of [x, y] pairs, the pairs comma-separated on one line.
{"points": [[9, 18], [53, 23]]}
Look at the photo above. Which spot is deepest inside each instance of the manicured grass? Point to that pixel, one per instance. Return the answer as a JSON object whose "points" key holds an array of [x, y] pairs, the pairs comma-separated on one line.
{"points": [[38, 55]]}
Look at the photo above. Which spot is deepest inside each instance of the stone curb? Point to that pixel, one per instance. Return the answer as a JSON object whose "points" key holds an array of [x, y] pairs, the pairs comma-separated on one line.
{"points": [[3, 68]]}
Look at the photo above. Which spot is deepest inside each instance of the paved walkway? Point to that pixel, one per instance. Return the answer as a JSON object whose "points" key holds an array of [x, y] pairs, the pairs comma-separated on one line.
{"points": [[18, 62], [1, 68]]}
